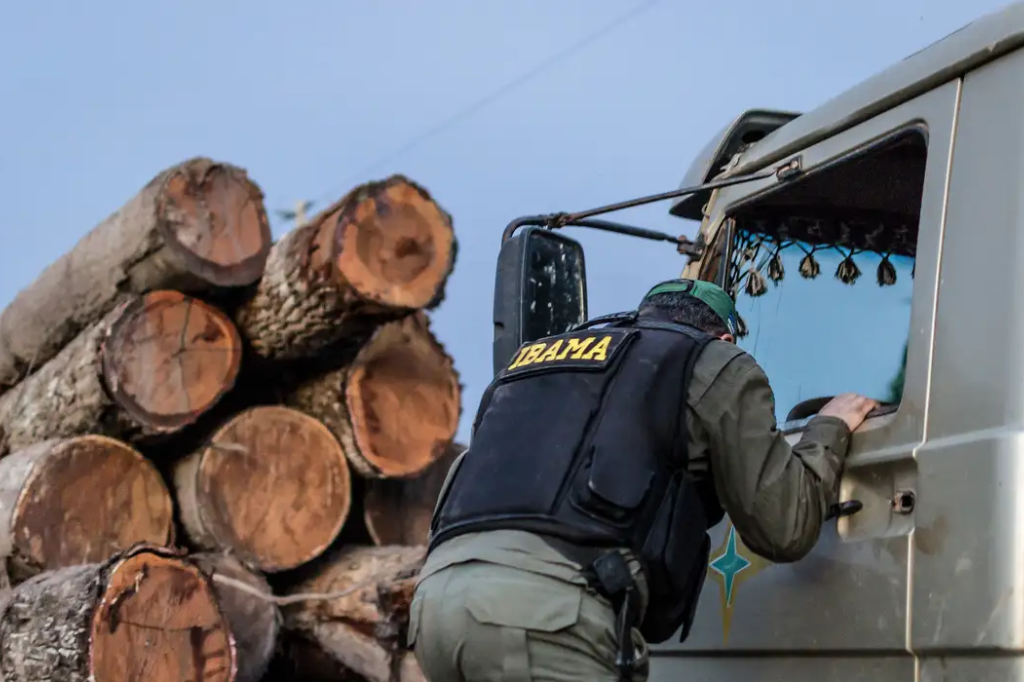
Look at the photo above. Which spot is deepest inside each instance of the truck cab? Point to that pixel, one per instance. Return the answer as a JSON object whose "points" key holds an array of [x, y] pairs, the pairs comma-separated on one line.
{"points": [[892, 265]]}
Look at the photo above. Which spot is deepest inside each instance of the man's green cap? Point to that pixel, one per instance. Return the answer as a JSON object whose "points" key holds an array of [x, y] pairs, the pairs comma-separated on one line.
{"points": [[711, 294]]}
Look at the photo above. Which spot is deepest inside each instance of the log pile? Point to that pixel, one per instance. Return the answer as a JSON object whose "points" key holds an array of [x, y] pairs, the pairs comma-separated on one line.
{"points": [[219, 454]]}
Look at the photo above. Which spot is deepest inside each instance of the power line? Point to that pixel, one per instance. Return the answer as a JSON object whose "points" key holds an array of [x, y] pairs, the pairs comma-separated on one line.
{"points": [[492, 96]]}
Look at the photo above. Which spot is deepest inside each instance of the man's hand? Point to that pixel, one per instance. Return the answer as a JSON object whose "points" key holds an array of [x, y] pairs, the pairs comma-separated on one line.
{"points": [[852, 408]]}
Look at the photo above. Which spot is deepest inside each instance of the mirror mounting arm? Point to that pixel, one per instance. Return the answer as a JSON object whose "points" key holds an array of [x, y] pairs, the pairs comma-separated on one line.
{"points": [[693, 249], [557, 221]]}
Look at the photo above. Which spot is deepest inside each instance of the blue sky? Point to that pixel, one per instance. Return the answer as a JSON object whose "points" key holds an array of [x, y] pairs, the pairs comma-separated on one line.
{"points": [[314, 97]]}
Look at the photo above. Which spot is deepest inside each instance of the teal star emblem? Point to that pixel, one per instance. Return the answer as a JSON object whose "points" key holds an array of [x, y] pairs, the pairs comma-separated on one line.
{"points": [[729, 564]]}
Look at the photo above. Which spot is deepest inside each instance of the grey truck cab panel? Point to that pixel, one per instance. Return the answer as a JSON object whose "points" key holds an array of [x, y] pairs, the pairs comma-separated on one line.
{"points": [[891, 267]]}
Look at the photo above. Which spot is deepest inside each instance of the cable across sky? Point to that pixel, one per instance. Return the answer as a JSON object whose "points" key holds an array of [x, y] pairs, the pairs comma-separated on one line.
{"points": [[488, 98]]}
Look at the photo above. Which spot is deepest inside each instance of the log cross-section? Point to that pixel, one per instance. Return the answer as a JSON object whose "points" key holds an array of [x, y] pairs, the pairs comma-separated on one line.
{"points": [[246, 601], [78, 501], [396, 407], [397, 511], [196, 226], [148, 614], [365, 630], [272, 486], [382, 251], [151, 367]]}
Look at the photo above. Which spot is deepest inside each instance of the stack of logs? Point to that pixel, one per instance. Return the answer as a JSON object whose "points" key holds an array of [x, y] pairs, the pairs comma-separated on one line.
{"points": [[219, 454]]}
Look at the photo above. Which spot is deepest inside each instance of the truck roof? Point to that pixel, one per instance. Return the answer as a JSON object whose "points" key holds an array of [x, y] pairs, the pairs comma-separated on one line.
{"points": [[980, 41]]}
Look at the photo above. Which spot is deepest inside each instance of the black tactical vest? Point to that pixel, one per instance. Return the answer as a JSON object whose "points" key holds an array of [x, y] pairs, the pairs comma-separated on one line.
{"points": [[583, 438]]}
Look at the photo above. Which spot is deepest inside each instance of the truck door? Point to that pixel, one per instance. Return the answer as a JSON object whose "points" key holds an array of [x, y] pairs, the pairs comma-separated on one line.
{"points": [[835, 276]]}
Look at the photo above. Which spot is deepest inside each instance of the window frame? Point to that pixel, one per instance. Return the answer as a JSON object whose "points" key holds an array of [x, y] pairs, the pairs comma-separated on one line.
{"points": [[866, 149], [890, 432]]}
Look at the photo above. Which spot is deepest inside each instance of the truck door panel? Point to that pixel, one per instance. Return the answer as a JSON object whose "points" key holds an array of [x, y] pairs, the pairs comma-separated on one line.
{"points": [[968, 549], [846, 604]]}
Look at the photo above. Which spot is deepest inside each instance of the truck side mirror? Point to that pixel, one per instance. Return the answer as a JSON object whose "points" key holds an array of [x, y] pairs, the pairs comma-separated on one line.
{"points": [[540, 290]]}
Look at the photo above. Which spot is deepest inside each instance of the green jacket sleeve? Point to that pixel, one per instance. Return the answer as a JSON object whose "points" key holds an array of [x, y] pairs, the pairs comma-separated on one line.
{"points": [[775, 495]]}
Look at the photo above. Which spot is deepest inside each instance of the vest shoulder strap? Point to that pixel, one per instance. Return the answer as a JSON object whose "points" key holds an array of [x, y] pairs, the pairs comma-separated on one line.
{"points": [[685, 329], [631, 319]]}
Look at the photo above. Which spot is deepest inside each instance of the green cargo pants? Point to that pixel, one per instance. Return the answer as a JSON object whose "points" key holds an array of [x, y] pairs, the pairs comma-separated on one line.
{"points": [[481, 622]]}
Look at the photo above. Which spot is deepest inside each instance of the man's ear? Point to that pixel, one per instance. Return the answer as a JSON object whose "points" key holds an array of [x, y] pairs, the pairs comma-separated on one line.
{"points": [[728, 338]]}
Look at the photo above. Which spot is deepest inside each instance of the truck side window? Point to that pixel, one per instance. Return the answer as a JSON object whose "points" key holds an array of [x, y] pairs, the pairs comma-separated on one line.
{"points": [[823, 270]]}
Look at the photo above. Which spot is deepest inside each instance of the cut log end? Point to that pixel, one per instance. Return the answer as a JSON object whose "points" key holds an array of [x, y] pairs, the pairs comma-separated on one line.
{"points": [[158, 620], [404, 400], [255, 622], [272, 486], [83, 500], [169, 358], [213, 218], [398, 511], [394, 244], [382, 251]]}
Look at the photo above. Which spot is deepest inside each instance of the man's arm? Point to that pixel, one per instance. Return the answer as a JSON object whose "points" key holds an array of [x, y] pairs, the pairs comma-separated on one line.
{"points": [[777, 496]]}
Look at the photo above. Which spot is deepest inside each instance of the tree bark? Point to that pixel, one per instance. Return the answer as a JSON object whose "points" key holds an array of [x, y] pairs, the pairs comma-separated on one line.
{"points": [[398, 511], [195, 226], [271, 486], [151, 367], [78, 501], [396, 407], [255, 622], [145, 615], [382, 251], [364, 631]]}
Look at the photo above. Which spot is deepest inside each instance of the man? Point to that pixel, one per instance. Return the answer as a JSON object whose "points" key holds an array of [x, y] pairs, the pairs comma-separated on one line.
{"points": [[573, 530]]}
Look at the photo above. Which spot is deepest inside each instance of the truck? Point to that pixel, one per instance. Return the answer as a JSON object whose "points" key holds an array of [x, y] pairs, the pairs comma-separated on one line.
{"points": [[816, 222]]}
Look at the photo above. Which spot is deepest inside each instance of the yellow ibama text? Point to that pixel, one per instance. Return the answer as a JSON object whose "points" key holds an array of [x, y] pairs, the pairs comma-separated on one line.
{"points": [[592, 348]]}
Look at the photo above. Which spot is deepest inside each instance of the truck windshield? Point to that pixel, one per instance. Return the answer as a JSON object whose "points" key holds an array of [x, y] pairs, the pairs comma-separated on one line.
{"points": [[823, 274]]}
